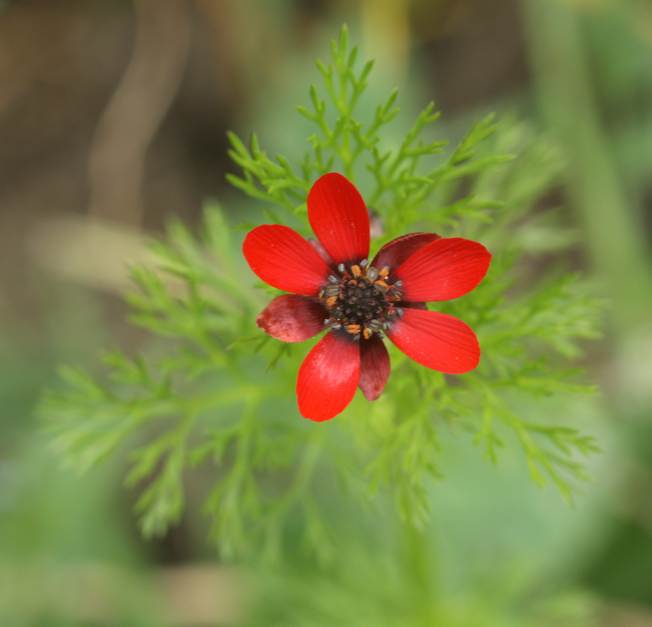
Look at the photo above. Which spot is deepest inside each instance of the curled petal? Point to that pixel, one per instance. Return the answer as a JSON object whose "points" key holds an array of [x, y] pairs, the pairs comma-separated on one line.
{"points": [[328, 377], [339, 218], [394, 253], [284, 259], [292, 318], [436, 340], [374, 367], [443, 269]]}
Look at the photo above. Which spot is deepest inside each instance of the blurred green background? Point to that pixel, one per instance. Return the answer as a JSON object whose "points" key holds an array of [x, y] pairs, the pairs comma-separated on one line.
{"points": [[113, 117]]}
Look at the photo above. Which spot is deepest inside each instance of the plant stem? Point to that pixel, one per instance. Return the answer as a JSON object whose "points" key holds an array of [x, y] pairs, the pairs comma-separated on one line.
{"points": [[565, 96]]}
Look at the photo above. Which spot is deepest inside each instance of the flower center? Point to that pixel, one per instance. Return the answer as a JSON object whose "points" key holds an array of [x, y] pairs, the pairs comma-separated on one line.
{"points": [[361, 300]]}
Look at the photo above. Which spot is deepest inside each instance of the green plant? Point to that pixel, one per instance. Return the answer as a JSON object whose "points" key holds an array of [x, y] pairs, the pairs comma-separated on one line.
{"points": [[213, 390]]}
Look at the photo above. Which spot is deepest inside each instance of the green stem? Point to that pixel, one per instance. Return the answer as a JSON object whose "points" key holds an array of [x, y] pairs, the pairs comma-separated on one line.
{"points": [[419, 567]]}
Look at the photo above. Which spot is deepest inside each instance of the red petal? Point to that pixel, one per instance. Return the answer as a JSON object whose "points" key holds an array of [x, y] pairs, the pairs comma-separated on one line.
{"points": [[444, 269], [374, 367], [292, 318], [284, 259], [328, 377], [316, 244], [394, 253], [339, 218], [436, 340]]}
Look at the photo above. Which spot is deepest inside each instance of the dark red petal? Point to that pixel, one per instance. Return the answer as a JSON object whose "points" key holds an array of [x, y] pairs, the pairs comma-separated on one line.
{"points": [[292, 318], [374, 367], [394, 253], [436, 340], [339, 218], [328, 377], [284, 259], [413, 305], [444, 269]]}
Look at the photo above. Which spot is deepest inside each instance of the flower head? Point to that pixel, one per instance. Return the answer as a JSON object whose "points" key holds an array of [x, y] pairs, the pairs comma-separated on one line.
{"points": [[334, 287]]}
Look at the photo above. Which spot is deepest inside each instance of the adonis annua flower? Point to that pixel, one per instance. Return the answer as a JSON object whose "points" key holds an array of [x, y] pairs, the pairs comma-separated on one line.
{"points": [[334, 287]]}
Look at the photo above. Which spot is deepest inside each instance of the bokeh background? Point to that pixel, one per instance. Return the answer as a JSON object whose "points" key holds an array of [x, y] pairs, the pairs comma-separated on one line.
{"points": [[113, 119]]}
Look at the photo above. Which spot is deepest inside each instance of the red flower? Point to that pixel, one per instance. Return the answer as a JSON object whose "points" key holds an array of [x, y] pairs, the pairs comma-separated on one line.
{"points": [[333, 286]]}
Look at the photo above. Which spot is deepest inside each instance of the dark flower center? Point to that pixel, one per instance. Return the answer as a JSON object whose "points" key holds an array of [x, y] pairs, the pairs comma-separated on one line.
{"points": [[361, 300]]}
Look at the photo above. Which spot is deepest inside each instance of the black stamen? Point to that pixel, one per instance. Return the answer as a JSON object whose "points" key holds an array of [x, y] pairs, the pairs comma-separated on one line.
{"points": [[360, 300]]}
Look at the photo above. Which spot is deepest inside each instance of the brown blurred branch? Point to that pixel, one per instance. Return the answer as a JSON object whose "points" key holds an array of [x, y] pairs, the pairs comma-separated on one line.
{"points": [[386, 29], [88, 251], [191, 594], [137, 108]]}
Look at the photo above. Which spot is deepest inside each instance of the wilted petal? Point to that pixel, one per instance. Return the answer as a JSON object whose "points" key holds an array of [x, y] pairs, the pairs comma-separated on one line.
{"points": [[394, 253], [292, 318], [374, 367]]}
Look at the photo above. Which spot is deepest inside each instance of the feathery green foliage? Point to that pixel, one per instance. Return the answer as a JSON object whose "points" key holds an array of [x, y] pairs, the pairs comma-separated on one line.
{"points": [[212, 390]]}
